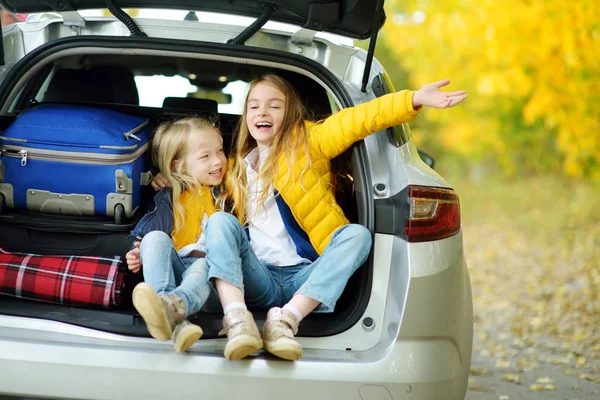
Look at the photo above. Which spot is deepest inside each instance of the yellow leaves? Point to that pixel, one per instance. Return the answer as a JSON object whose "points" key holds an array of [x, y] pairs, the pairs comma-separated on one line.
{"points": [[480, 372], [527, 365], [511, 82], [512, 378], [474, 385], [539, 59], [573, 168], [539, 104], [581, 149], [489, 84], [542, 385], [536, 284], [559, 361], [589, 378], [482, 336], [460, 138], [536, 387], [544, 380]]}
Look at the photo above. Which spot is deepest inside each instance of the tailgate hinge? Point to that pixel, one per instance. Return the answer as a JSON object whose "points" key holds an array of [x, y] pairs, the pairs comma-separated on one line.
{"points": [[303, 36], [73, 20]]}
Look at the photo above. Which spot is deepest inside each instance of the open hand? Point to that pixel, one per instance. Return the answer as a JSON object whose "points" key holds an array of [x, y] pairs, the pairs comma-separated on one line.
{"points": [[134, 262], [430, 95]]}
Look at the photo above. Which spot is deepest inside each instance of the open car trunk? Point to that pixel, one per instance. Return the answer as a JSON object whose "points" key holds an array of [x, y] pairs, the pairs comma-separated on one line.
{"points": [[34, 232], [351, 18]]}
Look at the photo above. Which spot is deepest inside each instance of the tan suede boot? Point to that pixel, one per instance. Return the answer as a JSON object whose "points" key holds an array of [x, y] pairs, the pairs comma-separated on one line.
{"points": [[278, 334], [186, 334], [161, 313], [243, 337]]}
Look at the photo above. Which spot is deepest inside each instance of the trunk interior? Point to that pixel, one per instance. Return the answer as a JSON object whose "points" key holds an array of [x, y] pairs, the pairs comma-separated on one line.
{"points": [[77, 80]]}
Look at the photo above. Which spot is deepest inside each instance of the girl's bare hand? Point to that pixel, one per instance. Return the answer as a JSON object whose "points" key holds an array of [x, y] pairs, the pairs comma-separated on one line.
{"points": [[430, 95], [134, 262], [159, 182]]}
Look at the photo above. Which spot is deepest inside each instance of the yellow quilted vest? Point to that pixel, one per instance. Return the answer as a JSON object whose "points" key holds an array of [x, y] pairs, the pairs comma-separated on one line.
{"points": [[196, 203], [311, 199]]}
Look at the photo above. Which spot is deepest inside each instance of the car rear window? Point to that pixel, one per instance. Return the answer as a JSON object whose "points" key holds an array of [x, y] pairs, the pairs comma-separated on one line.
{"points": [[155, 88]]}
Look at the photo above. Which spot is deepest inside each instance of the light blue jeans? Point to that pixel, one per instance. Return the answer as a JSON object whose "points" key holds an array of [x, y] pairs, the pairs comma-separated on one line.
{"points": [[167, 273], [231, 258]]}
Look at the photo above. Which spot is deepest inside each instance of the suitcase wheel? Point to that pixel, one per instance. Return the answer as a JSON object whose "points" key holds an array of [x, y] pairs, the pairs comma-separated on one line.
{"points": [[2, 203], [119, 214]]}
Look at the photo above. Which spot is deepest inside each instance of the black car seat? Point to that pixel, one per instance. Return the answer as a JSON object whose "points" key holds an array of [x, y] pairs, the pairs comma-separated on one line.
{"points": [[204, 106], [100, 84]]}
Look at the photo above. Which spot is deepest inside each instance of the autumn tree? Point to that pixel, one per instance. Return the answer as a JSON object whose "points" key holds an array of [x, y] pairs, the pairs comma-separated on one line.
{"points": [[532, 70]]}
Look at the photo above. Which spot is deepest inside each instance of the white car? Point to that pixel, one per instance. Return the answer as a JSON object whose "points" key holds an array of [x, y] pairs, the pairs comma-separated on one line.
{"points": [[403, 328]]}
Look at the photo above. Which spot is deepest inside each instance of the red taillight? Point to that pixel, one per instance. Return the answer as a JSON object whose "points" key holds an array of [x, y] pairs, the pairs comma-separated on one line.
{"points": [[434, 214]]}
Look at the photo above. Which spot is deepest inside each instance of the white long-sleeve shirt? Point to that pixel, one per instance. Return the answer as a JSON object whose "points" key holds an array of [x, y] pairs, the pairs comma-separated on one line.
{"points": [[269, 239]]}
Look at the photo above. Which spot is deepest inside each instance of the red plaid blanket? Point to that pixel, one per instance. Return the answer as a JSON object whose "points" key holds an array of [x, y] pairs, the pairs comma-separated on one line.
{"points": [[72, 280]]}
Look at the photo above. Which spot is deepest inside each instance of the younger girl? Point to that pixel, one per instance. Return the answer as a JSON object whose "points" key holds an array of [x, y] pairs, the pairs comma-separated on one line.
{"points": [[189, 152], [299, 249]]}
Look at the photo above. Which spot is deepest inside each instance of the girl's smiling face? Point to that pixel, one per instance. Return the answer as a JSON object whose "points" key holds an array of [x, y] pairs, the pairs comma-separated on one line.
{"points": [[206, 160], [265, 109]]}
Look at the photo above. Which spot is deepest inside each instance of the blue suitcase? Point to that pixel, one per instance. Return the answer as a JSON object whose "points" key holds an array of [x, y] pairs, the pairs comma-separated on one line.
{"points": [[75, 160]]}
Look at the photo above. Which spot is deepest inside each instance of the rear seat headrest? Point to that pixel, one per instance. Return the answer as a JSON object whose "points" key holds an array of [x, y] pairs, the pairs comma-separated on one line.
{"points": [[312, 95], [100, 84], [191, 104]]}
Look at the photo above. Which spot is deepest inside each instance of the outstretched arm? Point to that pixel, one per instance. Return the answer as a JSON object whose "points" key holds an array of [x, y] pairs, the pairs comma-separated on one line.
{"points": [[430, 95], [338, 132]]}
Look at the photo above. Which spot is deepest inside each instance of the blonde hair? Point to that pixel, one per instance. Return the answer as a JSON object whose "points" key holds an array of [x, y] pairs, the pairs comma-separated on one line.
{"points": [[291, 140], [171, 143]]}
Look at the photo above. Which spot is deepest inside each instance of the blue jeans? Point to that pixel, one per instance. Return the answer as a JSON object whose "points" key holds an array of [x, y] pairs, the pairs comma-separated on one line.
{"points": [[167, 273], [231, 258]]}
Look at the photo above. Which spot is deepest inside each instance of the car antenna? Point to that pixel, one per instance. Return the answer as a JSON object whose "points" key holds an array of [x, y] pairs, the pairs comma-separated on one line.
{"points": [[378, 20], [254, 27], [122, 16]]}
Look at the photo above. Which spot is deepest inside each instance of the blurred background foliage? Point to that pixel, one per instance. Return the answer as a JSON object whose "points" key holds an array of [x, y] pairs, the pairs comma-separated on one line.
{"points": [[532, 71]]}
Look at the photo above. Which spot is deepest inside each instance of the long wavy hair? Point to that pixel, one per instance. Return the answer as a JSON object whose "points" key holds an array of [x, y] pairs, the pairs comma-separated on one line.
{"points": [[291, 141], [171, 143]]}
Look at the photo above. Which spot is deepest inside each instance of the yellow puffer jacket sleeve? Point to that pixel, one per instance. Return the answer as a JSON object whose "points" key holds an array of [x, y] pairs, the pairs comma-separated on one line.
{"points": [[341, 130]]}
